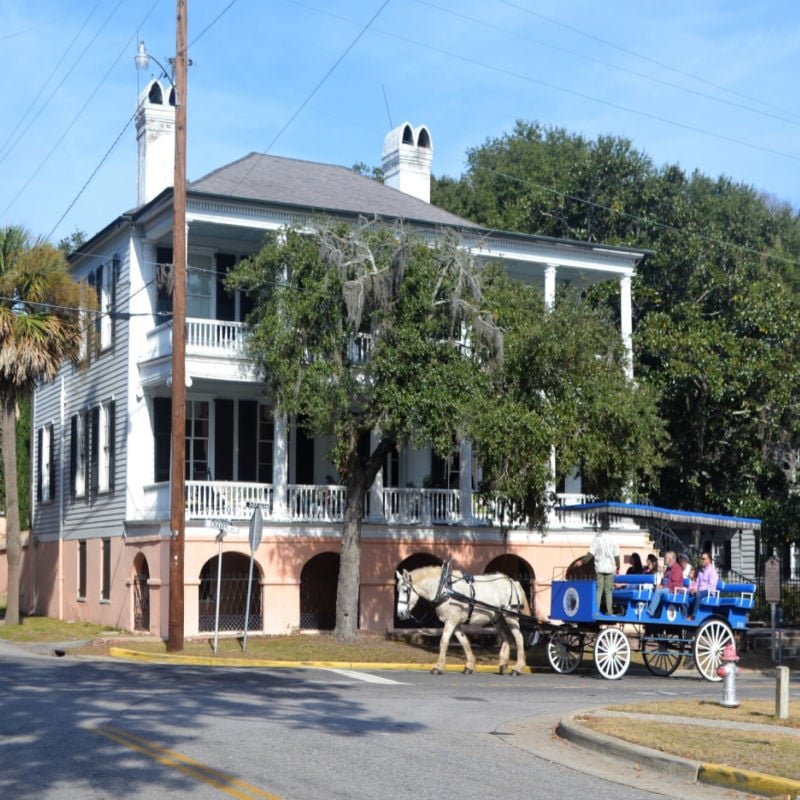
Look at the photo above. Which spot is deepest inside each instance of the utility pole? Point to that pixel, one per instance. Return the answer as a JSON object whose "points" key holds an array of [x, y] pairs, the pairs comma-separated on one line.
{"points": [[177, 487]]}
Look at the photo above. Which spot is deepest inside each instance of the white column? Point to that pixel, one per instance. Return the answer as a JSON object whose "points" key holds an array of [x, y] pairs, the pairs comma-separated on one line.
{"points": [[376, 513], [550, 285], [465, 480], [280, 464], [550, 301], [626, 321]]}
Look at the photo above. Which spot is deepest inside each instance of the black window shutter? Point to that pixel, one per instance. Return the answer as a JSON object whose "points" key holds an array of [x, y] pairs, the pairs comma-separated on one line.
{"points": [[226, 301], [92, 425], [52, 461], [112, 441], [162, 429], [39, 465], [112, 300], [73, 454], [98, 287], [163, 296]]}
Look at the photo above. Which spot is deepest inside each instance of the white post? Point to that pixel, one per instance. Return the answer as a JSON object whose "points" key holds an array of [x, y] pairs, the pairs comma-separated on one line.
{"points": [[219, 587], [465, 480], [782, 692], [626, 321], [376, 510], [280, 464], [550, 286]]}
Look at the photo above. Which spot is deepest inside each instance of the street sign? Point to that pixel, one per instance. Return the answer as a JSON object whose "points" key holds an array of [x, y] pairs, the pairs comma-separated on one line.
{"points": [[223, 525], [772, 580], [256, 524]]}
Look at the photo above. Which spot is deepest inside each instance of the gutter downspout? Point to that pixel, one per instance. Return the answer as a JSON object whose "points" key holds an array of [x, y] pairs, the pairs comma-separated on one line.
{"points": [[60, 570]]}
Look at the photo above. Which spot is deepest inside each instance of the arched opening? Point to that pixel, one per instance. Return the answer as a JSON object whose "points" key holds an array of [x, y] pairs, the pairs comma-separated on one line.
{"points": [[518, 569], [141, 594], [424, 614], [172, 96], [424, 139], [155, 95], [408, 135], [232, 594], [318, 581]]}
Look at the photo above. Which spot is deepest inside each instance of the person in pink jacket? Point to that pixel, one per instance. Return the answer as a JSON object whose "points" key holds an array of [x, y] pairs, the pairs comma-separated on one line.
{"points": [[707, 580]]}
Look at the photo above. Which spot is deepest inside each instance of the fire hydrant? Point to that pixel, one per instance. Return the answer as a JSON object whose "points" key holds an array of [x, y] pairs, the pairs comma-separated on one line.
{"points": [[728, 670]]}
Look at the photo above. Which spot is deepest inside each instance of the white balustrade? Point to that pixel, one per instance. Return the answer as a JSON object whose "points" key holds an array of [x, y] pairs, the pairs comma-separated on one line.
{"points": [[309, 503], [226, 499]]}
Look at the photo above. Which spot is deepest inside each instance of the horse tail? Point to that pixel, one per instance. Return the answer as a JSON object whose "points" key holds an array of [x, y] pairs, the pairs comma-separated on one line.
{"points": [[525, 607]]}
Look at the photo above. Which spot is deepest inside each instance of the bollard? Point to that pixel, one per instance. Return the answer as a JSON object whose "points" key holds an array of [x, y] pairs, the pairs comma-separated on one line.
{"points": [[727, 670], [782, 693]]}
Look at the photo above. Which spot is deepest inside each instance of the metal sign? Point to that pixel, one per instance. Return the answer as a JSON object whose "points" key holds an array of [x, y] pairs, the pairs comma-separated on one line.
{"points": [[256, 524], [772, 580], [223, 525]]}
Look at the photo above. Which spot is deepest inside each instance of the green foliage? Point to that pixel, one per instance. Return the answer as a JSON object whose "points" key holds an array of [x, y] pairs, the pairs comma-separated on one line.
{"points": [[716, 302]]}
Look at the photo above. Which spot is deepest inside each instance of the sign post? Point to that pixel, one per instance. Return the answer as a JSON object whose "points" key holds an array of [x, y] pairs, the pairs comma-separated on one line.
{"points": [[772, 594], [256, 524], [223, 526]]}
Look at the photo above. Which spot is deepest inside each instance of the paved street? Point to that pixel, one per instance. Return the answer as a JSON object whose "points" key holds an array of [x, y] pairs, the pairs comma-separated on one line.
{"points": [[81, 729]]}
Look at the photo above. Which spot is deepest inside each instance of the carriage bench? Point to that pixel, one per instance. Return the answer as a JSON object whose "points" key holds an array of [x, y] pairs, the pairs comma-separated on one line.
{"points": [[732, 595]]}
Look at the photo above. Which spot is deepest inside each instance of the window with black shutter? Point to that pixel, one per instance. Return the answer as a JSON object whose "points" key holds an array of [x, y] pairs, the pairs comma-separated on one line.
{"points": [[162, 429], [163, 268]]}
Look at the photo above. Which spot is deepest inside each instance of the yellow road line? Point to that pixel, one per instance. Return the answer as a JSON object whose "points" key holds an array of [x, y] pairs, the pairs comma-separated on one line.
{"points": [[188, 766]]}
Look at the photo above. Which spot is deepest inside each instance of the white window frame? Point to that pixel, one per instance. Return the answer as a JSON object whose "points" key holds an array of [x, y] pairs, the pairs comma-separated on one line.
{"points": [[45, 465], [103, 450], [104, 294], [81, 461]]}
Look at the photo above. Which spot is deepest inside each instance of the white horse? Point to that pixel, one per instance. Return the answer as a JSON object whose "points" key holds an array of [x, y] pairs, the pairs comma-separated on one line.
{"points": [[461, 599]]}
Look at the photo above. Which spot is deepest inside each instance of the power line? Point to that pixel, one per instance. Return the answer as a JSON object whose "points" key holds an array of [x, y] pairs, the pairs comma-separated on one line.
{"points": [[591, 59], [325, 77], [212, 23], [643, 57], [61, 83], [69, 127], [556, 87], [49, 78]]}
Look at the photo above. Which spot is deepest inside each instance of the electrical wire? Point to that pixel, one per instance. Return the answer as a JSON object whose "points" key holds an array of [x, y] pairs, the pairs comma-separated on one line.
{"points": [[77, 116], [305, 102], [44, 85], [212, 23]]}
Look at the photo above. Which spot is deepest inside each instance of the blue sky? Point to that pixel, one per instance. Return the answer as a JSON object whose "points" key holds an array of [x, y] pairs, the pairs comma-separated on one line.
{"points": [[706, 84]]}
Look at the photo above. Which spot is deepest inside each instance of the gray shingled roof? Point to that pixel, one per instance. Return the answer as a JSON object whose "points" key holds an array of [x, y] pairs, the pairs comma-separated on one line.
{"points": [[321, 187]]}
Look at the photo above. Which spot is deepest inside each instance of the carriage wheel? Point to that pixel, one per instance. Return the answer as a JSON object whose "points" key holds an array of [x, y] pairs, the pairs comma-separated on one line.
{"points": [[565, 651], [612, 653], [662, 656], [713, 636]]}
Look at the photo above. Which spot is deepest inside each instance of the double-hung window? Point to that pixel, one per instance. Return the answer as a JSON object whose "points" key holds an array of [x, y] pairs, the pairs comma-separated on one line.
{"points": [[45, 468], [79, 454]]}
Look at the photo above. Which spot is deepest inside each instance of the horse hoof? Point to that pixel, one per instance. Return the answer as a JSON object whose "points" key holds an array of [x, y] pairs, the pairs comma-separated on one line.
{"points": [[468, 671], [436, 671], [502, 669], [515, 672]]}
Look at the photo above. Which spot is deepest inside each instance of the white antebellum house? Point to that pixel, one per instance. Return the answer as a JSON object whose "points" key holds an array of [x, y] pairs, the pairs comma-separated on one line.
{"points": [[102, 429]]}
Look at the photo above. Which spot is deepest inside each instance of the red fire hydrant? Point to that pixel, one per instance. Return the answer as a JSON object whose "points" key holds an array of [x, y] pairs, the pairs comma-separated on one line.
{"points": [[728, 671]]}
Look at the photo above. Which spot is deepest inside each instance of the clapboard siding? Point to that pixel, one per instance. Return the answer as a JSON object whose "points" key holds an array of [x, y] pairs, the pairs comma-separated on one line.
{"points": [[86, 386]]}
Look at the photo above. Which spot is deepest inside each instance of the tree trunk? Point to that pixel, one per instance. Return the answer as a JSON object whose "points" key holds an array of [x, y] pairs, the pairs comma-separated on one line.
{"points": [[13, 541], [350, 559]]}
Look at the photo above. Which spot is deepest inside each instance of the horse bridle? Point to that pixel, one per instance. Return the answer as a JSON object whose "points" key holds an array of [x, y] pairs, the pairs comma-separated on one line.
{"points": [[406, 588]]}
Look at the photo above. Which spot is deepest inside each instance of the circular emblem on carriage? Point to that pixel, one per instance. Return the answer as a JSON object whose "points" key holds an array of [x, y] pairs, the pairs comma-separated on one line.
{"points": [[672, 612], [571, 601]]}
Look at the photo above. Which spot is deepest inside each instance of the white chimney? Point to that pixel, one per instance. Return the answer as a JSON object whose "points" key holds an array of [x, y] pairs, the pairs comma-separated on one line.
{"points": [[155, 136], [407, 156]]}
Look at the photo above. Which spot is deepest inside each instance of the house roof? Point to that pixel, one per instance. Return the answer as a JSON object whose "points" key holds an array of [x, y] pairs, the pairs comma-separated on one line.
{"points": [[324, 187]]}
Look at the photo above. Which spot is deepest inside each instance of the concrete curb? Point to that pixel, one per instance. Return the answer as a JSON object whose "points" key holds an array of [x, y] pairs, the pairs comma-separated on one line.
{"points": [[573, 732], [695, 771], [227, 661]]}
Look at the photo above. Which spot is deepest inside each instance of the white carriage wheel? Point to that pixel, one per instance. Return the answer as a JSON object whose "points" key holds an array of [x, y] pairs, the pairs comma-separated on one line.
{"points": [[565, 651], [713, 636], [612, 653]]}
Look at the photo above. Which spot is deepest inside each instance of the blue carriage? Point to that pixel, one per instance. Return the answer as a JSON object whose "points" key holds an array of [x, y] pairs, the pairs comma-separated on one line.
{"points": [[663, 638], [680, 626]]}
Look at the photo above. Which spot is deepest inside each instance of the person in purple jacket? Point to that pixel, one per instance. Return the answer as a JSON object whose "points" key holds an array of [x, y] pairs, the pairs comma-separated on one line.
{"points": [[673, 578], [707, 580]]}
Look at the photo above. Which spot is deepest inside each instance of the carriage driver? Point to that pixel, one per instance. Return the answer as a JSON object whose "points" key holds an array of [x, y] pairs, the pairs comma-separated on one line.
{"points": [[604, 551]]}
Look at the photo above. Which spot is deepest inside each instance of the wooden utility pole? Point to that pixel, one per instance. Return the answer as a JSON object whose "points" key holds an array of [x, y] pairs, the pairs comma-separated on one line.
{"points": [[177, 488]]}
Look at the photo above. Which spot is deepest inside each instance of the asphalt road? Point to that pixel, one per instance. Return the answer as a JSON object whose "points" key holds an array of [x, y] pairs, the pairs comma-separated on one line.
{"points": [[84, 729]]}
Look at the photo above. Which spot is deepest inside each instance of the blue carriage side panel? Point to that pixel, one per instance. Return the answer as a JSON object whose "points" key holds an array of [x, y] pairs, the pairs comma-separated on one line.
{"points": [[573, 601]]}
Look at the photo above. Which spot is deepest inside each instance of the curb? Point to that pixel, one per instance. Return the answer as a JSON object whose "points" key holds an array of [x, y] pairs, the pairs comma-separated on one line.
{"points": [[694, 771], [208, 661]]}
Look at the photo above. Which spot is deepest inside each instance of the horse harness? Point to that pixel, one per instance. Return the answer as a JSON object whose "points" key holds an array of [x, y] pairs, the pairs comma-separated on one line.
{"points": [[445, 592]]}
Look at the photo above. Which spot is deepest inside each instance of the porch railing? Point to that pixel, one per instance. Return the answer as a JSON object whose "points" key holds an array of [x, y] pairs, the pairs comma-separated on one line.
{"points": [[422, 506], [226, 500]]}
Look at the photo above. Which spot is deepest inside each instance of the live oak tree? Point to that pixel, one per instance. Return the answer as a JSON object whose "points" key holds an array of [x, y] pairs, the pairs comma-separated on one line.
{"points": [[715, 302], [40, 328], [447, 352]]}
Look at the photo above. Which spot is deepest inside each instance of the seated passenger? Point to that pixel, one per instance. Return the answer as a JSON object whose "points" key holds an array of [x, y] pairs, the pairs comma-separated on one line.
{"points": [[636, 567], [673, 579], [707, 580]]}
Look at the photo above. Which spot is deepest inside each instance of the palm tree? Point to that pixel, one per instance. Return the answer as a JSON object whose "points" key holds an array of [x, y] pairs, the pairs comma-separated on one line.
{"points": [[40, 328]]}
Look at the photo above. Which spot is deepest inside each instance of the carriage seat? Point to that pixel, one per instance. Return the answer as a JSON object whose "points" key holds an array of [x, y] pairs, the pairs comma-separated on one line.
{"points": [[635, 588], [735, 595]]}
